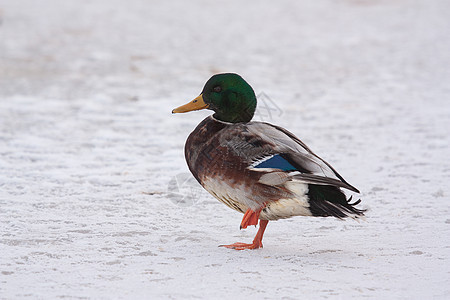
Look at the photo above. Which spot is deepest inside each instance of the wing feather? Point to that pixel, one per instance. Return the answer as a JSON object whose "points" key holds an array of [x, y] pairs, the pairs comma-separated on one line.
{"points": [[259, 142]]}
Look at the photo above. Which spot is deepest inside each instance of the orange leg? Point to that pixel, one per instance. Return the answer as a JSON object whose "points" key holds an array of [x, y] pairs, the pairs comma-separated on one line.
{"points": [[257, 241]]}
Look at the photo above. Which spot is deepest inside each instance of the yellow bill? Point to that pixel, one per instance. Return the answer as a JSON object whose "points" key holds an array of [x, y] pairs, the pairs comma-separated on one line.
{"points": [[195, 104]]}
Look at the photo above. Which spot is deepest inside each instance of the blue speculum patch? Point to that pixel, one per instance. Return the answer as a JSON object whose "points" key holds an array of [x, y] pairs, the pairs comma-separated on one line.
{"points": [[277, 162]]}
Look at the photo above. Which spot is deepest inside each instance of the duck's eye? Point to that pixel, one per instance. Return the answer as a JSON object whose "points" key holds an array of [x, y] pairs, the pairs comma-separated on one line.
{"points": [[217, 89]]}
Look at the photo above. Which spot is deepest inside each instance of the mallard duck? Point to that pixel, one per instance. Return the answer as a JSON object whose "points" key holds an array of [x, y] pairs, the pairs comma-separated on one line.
{"points": [[256, 168]]}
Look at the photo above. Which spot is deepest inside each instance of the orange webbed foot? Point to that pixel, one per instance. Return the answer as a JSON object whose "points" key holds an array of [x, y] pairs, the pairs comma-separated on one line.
{"points": [[257, 241], [250, 218], [243, 246]]}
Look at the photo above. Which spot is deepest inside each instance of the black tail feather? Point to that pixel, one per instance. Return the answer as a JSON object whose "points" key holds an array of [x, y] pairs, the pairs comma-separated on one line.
{"points": [[330, 201]]}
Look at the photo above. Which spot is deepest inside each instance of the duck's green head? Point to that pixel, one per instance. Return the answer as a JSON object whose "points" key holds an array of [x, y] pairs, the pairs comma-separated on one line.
{"points": [[228, 95]]}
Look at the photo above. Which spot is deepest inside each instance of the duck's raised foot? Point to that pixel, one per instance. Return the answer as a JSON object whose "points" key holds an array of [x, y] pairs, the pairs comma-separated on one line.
{"points": [[243, 246], [250, 218]]}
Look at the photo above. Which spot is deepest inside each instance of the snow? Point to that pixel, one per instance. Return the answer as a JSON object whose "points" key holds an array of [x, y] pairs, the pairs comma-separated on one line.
{"points": [[91, 157]]}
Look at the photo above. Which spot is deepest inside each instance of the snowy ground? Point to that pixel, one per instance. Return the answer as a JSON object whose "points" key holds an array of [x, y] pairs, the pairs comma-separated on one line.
{"points": [[88, 147]]}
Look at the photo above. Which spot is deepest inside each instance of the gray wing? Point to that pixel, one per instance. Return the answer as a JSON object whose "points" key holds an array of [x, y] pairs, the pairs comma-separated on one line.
{"points": [[258, 142]]}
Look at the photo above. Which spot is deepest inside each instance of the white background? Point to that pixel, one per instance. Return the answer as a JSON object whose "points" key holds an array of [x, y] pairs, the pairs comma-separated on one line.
{"points": [[88, 147]]}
